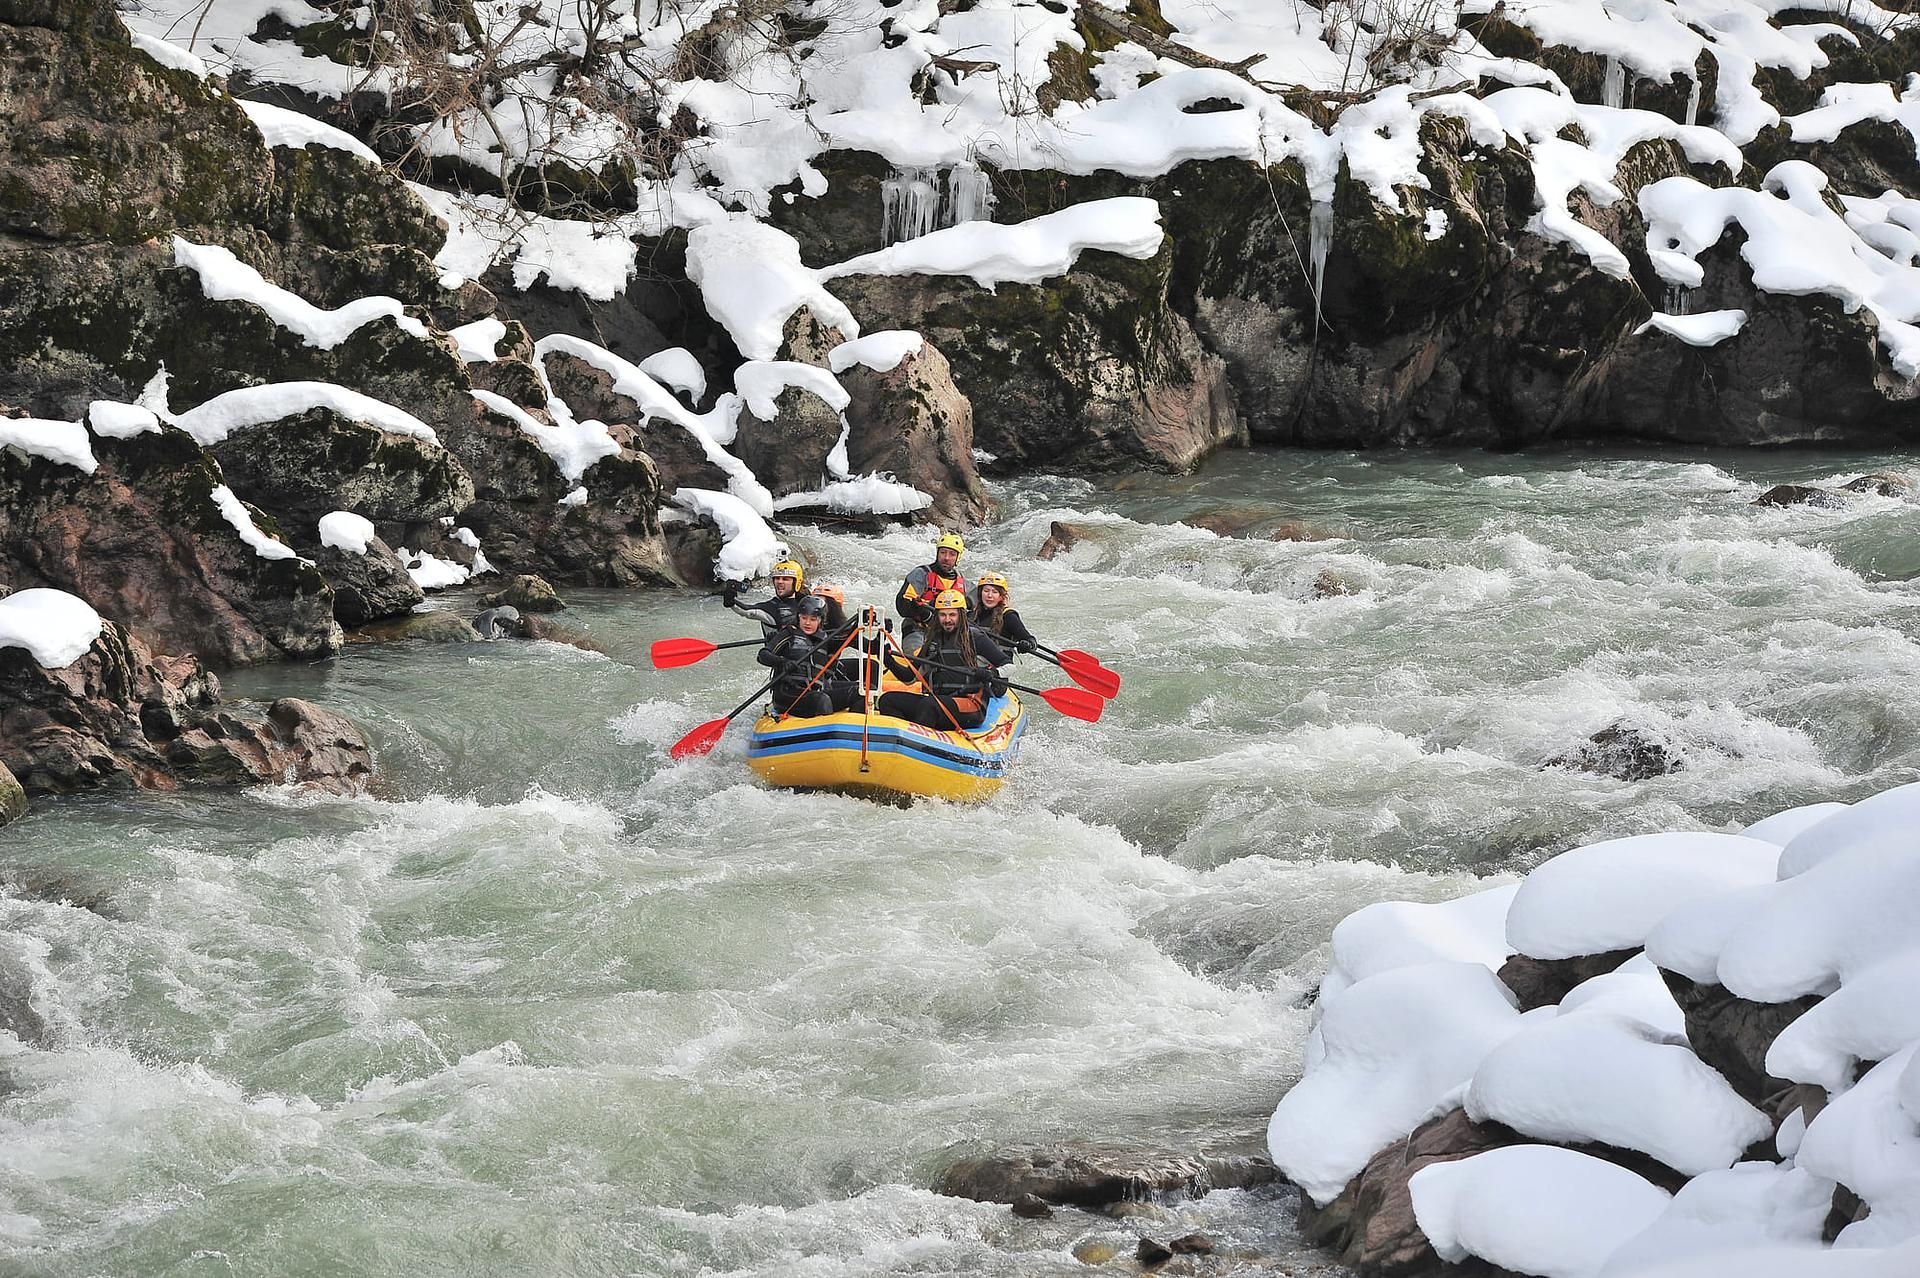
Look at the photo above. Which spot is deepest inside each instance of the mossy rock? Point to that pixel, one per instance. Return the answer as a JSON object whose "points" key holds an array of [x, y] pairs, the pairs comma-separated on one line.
{"points": [[103, 143], [343, 202], [303, 467]]}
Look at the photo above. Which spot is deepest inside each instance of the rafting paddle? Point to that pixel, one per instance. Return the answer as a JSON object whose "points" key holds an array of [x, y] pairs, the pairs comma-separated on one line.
{"points": [[1095, 678], [704, 738], [1071, 702], [669, 653]]}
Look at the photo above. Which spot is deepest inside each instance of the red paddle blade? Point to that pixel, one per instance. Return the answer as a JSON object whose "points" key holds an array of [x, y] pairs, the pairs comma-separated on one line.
{"points": [[701, 740], [1075, 704], [1096, 679], [1080, 656], [668, 653]]}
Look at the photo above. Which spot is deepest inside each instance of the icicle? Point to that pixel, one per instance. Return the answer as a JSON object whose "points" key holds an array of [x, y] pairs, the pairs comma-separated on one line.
{"points": [[1319, 241], [909, 204], [1679, 300], [969, 195], [1614, 88], [1693, 102]]}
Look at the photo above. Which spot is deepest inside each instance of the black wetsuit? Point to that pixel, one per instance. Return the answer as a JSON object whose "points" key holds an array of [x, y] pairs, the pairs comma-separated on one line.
{"points": [[1002, 622], [796, 658], [914, 602], [774, 614], [963, 693]]}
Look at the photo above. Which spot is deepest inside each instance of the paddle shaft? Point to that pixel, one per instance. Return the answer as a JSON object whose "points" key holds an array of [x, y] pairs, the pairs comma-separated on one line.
{"points": [[983, 673]]}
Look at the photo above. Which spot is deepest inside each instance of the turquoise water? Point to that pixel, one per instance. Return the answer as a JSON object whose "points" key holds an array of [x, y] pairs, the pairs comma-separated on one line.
{"points": [[547, 1002]]}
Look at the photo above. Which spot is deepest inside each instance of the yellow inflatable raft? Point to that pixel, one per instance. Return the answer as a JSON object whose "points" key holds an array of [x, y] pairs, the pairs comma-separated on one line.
{"points": [[857, 753]]}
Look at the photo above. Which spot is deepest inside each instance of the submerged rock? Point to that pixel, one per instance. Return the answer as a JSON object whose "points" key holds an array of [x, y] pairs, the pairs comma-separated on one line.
{"points": [[1797, 495], [1881, 485], [119, 715], [1078, 1174], [1623, 751], [1151, 1254], [1059, 537], [434, 626], [527, 593], [1032, 1207]]}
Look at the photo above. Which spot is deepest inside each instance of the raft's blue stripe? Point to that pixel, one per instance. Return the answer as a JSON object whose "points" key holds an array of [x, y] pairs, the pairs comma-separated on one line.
{"points": [[897, 743], [955, 758]]}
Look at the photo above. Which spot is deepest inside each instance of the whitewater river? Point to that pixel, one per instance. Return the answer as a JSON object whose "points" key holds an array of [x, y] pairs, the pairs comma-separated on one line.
{"points": [[550, 1004]]}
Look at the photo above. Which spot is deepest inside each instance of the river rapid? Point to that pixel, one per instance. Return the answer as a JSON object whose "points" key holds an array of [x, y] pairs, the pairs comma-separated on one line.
{"points": [[548, 1003]]}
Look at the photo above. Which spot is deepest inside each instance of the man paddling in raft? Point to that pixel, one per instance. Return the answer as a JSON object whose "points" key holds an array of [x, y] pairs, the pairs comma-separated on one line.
{"points": [[773, 614], [917, 592], [957, 662]]}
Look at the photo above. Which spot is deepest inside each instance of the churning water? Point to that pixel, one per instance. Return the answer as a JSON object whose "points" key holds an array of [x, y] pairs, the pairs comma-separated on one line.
{"points": [[548, 1003]]}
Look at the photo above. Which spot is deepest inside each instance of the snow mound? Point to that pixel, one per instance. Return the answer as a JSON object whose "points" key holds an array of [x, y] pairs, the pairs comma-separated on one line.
{"points": [[1708, 328], [281, 127], [1389, 934], [1726, 1210], [867, 495], [225, 278], [1533, 1209], [249, 406], [1868, 1139], [1784, 827], [1883, 820], [1591, 1076], [1394, 1049], [111, 420], [881, 352], [478, 342], [573, 446], [54, 441], [345, 531], [1028, 252], [752, 280], [431, 572], [676, 367], [235, 512], [1610, 895], [748, 546], [55, 627]]}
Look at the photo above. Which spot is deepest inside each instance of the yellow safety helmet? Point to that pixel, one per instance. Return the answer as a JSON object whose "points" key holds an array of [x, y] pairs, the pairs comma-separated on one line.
{"points": [[997, 580], [951, 541], [789, 568], [950, 599]]}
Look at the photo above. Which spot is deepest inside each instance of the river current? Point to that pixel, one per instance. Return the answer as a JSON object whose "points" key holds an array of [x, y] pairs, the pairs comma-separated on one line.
{"points": [[547, 1003]]}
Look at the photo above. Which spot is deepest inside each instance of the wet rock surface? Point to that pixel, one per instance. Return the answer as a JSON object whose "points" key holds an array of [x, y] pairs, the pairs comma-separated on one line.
{"points": [[1086, 1175], [121, 716]]}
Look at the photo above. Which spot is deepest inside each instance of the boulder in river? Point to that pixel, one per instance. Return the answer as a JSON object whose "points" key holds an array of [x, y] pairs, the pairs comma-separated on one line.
{"points": [[1624, 751], [13, 797], [119, 715], [1797, 495], [1078, 1174], [435, 626], [528, 593], [368, 586], [1059, 537]]}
